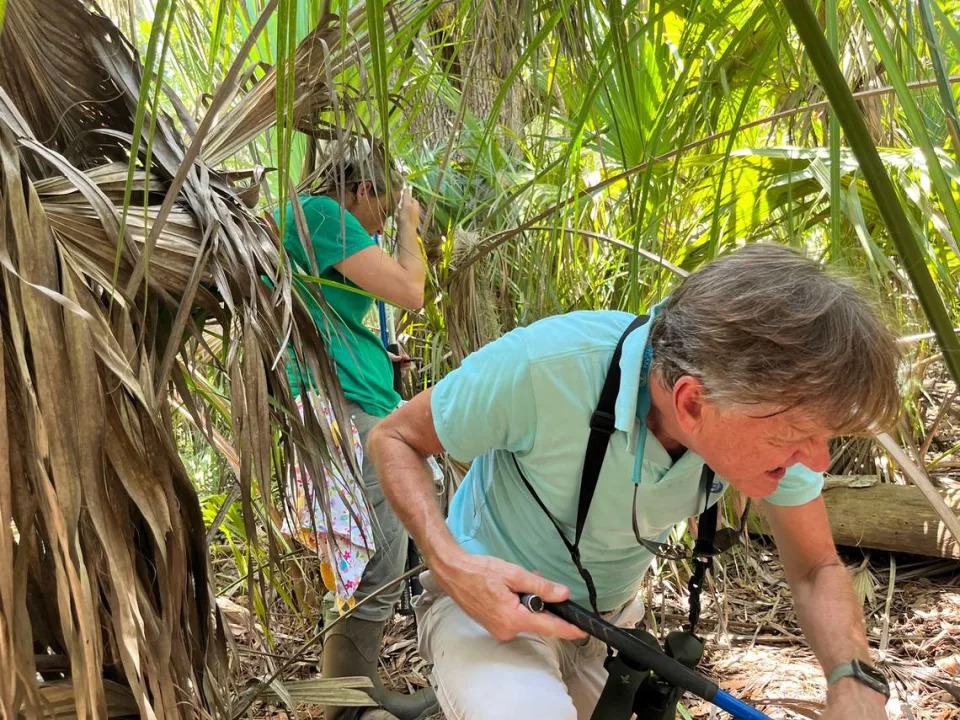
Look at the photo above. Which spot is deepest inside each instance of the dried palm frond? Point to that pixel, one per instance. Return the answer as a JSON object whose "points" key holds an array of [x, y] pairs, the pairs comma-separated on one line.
{"points": [[102, 543], [107, 522], [318, 60], [864, 583]]}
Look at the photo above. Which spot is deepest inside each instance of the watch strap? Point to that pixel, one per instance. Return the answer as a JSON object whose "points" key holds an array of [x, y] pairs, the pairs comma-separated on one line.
{"points": [[841, 671], [862, 672]]}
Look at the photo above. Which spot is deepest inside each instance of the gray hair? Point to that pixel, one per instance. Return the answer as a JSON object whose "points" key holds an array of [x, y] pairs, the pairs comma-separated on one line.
{"points": [[766, 326]]}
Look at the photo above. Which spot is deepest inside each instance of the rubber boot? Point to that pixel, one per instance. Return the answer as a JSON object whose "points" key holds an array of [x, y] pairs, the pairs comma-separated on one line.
{"points": [[352, 648]]}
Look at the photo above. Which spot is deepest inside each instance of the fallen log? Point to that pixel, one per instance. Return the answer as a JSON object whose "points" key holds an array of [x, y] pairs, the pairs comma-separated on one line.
{"points": [[885, 516]]}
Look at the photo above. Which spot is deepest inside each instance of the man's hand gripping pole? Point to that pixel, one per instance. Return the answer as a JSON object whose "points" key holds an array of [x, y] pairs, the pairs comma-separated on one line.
{"points": [[644, 655]]}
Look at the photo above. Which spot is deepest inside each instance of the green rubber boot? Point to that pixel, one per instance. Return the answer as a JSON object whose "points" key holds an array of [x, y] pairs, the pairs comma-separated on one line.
{"points": [[352, 648]]}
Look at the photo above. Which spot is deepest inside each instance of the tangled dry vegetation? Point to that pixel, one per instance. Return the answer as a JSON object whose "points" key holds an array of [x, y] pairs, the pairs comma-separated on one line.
{"points": [[112, 286], [755, 646]]}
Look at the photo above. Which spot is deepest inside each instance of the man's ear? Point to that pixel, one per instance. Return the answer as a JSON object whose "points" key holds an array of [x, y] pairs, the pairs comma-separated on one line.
{"points": [[689, 403]]}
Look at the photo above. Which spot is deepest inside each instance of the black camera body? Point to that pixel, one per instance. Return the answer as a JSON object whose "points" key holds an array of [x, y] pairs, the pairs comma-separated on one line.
{"points": [[632, 689]]}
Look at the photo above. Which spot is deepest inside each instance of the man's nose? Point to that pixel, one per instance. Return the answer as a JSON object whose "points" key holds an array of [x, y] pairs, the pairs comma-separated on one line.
{"points": [[815, 454]]}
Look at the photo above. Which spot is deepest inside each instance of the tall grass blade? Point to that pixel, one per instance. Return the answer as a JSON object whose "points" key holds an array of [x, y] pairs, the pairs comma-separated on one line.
{"points": [[876, 175], [156, 33], [940, 71], [378, 53], [836, 205], [217, 37], [914, 118], [286, 73], [949, 30]]}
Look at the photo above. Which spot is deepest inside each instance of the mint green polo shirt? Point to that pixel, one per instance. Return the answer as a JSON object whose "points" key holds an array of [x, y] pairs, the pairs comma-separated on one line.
{"points": [[531, 394], [362, 363]]}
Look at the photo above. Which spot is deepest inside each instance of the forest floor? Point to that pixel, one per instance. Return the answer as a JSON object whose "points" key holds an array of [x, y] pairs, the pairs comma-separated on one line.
{"points": [[755, 648], [757, 651]]}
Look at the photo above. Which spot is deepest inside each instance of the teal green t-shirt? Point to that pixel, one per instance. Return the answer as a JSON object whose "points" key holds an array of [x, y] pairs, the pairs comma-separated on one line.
{"points": [[363, 366]]}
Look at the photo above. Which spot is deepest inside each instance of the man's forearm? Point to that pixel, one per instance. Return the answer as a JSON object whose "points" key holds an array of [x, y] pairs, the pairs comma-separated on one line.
{"points": [[407, 483], [830, 616], [832, 621], [826, 605]]}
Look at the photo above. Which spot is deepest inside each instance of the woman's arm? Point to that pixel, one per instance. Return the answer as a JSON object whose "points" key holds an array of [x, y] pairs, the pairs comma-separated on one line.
{"points": [[399, 281]]}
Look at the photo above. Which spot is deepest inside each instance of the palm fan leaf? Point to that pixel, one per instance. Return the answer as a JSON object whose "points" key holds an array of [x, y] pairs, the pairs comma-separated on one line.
{"points": [[321, 57]]}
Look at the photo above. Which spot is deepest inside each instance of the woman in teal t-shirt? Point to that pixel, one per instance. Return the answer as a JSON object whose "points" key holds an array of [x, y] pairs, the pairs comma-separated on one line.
{"points": [[352, 208]]}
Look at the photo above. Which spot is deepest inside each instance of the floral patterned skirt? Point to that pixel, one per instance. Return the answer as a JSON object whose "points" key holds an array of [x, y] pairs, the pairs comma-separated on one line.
{"points": [[344, 539]]}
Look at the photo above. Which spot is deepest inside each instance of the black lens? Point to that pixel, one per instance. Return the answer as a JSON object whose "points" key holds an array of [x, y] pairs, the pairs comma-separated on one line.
{"points": [[619, 692], [685, 647]]}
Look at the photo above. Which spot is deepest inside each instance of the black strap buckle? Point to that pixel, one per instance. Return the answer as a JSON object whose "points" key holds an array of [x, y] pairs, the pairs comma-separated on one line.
{"points": [[603, 422], [701, 567]]}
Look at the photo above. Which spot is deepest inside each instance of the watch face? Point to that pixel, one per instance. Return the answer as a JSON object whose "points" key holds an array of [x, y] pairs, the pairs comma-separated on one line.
{"points": [[871, 676]]}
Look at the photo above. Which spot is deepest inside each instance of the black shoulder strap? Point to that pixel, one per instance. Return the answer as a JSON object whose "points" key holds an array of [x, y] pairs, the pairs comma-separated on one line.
{"points": [[704, 549], [601, 428], [602, 425]]}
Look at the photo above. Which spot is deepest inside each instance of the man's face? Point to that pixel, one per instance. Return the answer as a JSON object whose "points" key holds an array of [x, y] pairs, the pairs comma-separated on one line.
{"points": [[752, 447]]}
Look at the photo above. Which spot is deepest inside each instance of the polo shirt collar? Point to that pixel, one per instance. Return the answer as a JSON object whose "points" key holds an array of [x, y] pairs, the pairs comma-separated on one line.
{"points": [[631, 362]]}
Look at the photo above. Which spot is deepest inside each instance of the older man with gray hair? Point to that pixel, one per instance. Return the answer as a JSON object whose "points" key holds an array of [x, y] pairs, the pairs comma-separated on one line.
{"points": [[748, 369]]}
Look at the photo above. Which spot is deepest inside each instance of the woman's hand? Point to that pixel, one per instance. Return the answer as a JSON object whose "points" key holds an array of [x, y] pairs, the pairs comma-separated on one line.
{"points": [[408, 212]]}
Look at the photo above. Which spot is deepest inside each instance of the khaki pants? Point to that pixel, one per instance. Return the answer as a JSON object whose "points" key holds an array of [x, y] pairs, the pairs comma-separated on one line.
{"points": [[389, 535], [478, 677]]}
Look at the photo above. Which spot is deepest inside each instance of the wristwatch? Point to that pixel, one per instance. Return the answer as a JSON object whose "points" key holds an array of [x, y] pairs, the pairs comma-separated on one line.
{"points": [[863, 672]]}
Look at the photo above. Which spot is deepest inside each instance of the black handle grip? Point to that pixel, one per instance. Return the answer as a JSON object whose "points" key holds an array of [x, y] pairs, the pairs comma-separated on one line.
{"points": [[632, 648], [397, 368]]}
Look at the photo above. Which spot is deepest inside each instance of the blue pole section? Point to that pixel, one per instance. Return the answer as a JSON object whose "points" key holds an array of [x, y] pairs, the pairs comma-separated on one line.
{"points": [[739, 709], [382, 310]]}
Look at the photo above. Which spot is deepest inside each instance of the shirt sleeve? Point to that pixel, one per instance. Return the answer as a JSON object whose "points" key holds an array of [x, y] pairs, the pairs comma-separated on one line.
{"points": [[335, 233], [798, 486], [488, 402]]}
